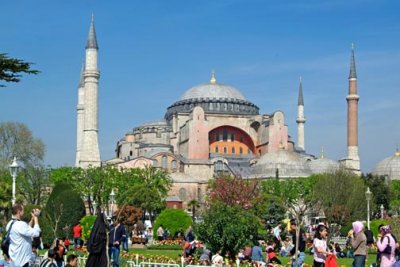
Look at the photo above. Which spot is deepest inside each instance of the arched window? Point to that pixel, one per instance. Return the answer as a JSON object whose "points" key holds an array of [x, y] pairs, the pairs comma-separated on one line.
{"points": [[155, 163], [164, 162], [232, 137], [225, 150], [224, 135], [219, 165], [216, 149], [182, 194], [233, 150], [173, 165], [240, 150]]}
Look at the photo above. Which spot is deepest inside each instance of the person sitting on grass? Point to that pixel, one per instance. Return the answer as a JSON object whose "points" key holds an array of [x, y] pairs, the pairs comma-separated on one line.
{"points": [[272, 258], [72, 261]]}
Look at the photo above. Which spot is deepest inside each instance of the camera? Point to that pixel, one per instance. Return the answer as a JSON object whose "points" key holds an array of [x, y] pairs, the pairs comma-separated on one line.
{"points": [[36, 212]]}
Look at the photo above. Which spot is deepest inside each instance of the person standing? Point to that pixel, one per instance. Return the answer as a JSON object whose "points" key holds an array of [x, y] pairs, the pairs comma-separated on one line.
{"points": [[359, 244], [257, 255], [116, 236], [386, 246], [320, 246], [294, 229], [189, 234], [21, 235], [77, 231], [160, 233]]}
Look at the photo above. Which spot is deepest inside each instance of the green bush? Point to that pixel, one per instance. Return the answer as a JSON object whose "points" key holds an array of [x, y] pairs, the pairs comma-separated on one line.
{"points": [[87, 223], [172, 220]]}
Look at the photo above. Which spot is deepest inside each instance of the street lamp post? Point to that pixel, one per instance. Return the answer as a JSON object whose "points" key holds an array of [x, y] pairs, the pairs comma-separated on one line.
{"points": [[368, 197], [382, 209], [13, 171], [94, 207], [112, 199]]}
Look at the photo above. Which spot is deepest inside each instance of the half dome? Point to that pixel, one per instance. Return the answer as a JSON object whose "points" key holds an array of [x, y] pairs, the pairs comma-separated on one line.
{"points": [[389, 167], [323, 165], [282, 162]]}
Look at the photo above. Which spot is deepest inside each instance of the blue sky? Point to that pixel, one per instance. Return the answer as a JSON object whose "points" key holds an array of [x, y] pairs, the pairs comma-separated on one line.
{"points": [[151, 52]]}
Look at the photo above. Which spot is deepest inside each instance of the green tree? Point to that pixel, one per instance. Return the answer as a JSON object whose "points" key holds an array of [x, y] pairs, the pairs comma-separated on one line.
{"points": [[10, 69], [64, 208], [87, 223], [381, 193], [227, 228], [346, 202], [395, 196], [173, 220], [16, 140], [33, 184], [149, 190]]}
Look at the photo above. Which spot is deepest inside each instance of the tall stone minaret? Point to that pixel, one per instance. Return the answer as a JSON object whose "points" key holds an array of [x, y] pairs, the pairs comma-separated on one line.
{"points": [[90, 154], [80, 110], [301, 120], [352, 162]]}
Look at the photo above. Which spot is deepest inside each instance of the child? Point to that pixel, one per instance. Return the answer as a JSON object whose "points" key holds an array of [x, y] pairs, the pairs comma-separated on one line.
{"points": [[271, 254]]}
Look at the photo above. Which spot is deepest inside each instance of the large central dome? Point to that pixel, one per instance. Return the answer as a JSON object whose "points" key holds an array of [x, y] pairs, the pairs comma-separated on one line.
{"points": [[212, 90], [213, 98]]}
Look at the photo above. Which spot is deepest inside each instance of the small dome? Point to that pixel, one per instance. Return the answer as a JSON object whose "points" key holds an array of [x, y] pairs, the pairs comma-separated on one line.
{"points": [[323, 165], [288, 164], [389, 167]]}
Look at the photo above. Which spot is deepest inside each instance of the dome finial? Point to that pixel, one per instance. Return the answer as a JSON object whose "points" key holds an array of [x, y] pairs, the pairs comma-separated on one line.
{"points": [[397, 153], [213, 80], [322, 152]]}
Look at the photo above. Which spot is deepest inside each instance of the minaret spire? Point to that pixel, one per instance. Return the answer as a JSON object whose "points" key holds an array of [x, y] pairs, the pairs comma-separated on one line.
{"points": [[353, 72], [90, 154], [92, 40], [352, 161], [301, 120]]}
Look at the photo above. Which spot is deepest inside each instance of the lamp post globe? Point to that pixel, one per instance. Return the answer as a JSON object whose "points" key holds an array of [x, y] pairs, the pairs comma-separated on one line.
{"points": [[382, 210], [368, 195], [14, 171]]}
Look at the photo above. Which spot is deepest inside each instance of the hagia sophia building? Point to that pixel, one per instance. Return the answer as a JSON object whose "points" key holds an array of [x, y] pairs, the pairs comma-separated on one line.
{"points": [[212, 128]]}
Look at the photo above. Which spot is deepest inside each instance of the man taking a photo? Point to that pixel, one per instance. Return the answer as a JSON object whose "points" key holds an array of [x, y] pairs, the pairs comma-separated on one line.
{"points": [[21, 235]]}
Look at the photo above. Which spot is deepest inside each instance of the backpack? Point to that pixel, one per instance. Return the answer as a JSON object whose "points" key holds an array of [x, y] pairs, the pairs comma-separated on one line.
{"points": [[5, 243]]}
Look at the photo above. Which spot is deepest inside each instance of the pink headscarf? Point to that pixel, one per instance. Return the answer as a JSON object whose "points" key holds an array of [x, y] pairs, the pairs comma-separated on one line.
{"points": [[358, 227]]}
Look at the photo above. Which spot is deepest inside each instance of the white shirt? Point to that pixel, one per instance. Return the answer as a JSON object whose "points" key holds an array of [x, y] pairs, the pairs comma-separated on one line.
{"points": [[21, 242]]}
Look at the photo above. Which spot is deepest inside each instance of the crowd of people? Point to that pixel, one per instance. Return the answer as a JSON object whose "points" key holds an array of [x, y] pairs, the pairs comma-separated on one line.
{"points": [[25, 241]]}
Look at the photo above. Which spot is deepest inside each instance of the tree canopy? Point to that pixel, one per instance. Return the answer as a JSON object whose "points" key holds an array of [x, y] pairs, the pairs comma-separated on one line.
{"points": [[11, 69]]}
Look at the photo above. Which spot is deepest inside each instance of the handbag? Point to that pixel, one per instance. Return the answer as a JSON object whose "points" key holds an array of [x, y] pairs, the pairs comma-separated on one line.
{"points": [[5, 243], [331, 261], [388, 248]]}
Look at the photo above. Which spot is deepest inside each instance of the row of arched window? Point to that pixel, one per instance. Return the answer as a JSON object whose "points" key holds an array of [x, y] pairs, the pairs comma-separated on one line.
{"points": [[164, 163]]}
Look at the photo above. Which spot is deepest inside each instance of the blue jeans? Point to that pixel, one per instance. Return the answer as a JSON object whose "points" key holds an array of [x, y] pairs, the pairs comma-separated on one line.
{"points": [[125, 244], [114, 253], [359, 261], [300, 260]]}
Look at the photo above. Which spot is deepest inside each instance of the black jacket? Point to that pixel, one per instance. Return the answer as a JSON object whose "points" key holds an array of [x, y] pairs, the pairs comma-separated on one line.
{"points": [[117, 233]]}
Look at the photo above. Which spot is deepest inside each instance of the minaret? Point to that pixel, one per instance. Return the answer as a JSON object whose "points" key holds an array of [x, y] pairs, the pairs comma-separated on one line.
{"points": [[80, 110], [300, 119], [90, 154], [352, 161]]}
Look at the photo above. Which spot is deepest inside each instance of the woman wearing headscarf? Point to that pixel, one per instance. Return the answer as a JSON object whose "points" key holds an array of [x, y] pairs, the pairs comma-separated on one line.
{"points": [[359, 244], [386, 246]]}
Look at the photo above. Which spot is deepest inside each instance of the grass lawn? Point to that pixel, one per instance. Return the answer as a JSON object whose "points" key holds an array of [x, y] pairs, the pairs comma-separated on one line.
{"points": [[176, 254]]}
